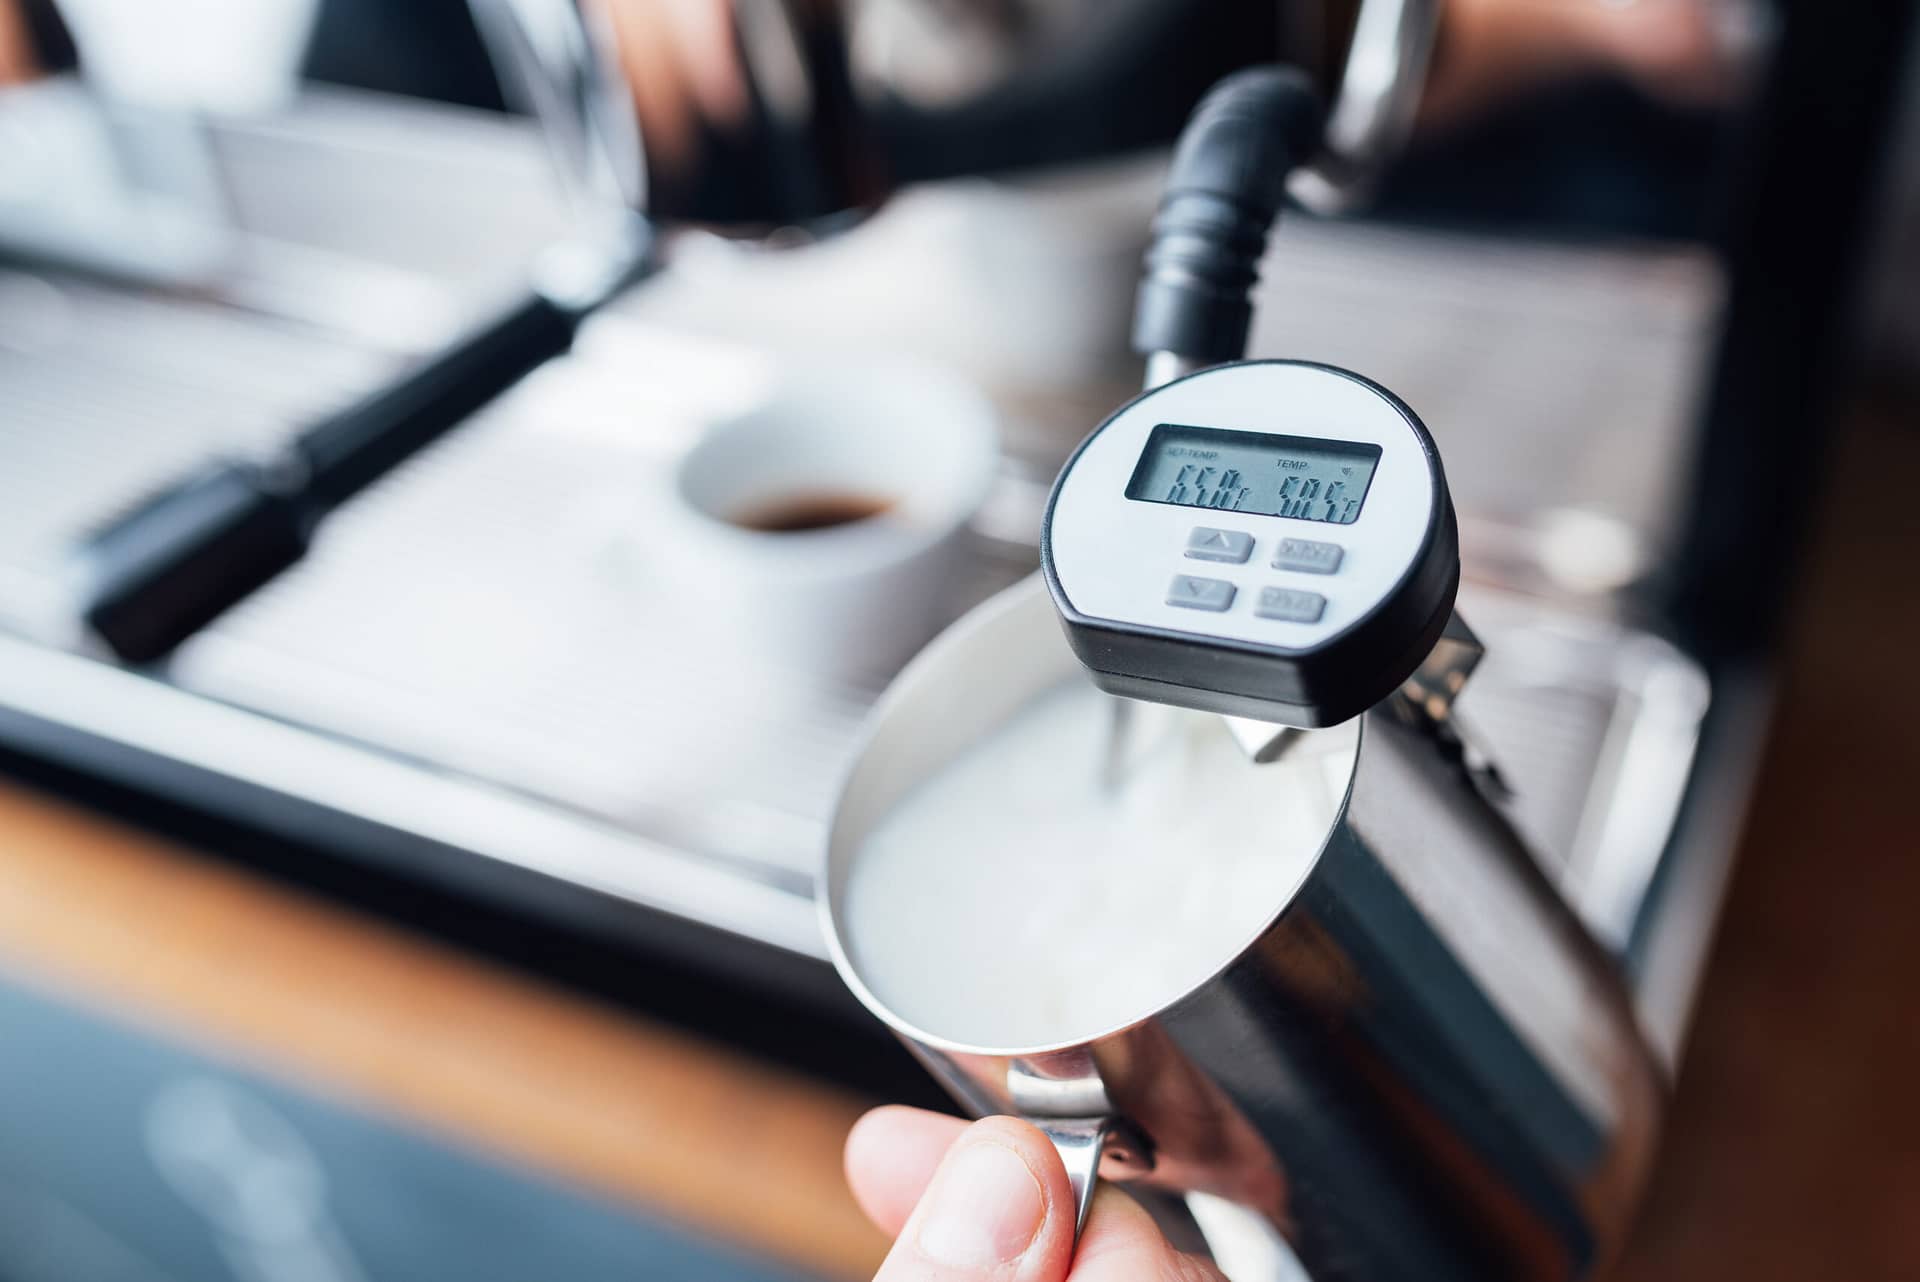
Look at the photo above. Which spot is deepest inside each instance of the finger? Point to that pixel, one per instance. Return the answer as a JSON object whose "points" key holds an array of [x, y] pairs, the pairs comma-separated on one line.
{"points": [[16, 48], [998, 1209], [702, 34], [1121, 1243], [893, 1152], [891, 1156], [661, 97]]}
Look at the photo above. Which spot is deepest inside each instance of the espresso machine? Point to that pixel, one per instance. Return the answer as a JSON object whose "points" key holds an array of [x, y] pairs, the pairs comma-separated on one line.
{"points": [[1455, 1041]]}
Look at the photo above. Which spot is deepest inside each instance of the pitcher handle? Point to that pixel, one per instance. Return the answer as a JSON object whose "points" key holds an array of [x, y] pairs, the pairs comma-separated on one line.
{"points": [[1083, 1143]]}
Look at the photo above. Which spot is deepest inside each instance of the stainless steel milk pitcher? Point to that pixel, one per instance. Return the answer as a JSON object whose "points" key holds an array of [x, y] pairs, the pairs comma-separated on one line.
{"points": [[1421, 1068]]}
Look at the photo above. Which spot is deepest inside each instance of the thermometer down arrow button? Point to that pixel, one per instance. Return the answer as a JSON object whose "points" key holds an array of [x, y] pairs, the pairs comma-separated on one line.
{"points": [[1190, 593]]}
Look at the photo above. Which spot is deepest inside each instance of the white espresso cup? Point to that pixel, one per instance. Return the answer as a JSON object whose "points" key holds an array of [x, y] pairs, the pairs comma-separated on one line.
{"points": [[823, 527], [232, 57]]}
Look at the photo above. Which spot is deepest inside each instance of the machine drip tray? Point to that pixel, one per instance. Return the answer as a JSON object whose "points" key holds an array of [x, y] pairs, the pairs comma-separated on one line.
{"points": [[1594, 726]]}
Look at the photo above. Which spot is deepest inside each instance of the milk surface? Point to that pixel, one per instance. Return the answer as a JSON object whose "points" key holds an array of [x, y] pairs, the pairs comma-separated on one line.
{"points": [[1026, 895]]}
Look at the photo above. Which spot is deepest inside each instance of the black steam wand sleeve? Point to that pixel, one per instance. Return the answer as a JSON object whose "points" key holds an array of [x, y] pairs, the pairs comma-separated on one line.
{"points": [[1223, 193]]}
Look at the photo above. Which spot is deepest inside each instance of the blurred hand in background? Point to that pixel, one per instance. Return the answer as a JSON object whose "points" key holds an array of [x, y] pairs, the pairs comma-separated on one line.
{"points": [[680, 59], [1684, 51], [17, 63], [683, 63]]}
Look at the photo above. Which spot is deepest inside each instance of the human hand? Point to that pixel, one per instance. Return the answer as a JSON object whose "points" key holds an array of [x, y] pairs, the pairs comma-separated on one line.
{"points": [[1682, 50], [990, 1203], [17, 63], [683, 67]]}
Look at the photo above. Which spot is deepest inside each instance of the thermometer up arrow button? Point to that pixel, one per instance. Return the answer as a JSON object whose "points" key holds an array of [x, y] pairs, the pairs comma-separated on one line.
{"points": [[1230, 546]]}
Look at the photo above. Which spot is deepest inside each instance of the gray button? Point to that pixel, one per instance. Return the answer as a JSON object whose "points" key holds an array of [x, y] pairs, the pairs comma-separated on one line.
{"points": [[1307, 556], [1200, 594], [1290, 605], [1208, 544]]}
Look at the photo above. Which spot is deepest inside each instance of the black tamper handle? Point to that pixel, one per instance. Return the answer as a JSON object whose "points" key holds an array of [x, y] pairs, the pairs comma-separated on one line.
{"points": [[1226, 187], [158, 573]]}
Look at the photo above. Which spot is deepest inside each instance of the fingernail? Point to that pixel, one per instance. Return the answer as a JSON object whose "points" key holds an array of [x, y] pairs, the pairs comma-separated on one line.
{"points": [[984, 1209]]}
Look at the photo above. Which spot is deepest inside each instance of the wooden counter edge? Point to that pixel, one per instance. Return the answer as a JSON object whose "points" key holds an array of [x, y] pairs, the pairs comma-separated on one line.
{"points": [[639, 1112]]}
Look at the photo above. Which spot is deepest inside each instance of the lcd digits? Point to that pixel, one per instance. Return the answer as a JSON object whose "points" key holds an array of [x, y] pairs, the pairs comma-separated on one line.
{"points": [[1305, 478]]}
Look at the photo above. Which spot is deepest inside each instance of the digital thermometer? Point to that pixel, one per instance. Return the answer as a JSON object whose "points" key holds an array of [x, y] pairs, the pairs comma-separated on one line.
{"points": [[1268, 539]]}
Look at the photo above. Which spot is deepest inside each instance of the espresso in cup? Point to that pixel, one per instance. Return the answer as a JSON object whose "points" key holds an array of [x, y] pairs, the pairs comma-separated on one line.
{"points": [[800, 513], [822, 529]]}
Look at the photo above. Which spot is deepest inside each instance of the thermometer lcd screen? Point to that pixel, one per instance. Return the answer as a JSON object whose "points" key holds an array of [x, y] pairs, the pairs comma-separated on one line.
{"points": [[1297, 476]]}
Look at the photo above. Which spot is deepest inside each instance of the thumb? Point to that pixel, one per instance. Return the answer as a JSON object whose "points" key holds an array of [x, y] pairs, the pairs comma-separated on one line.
{"points": [[999, 1209]]}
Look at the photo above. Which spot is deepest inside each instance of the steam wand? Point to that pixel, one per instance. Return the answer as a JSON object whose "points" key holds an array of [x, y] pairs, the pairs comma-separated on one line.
{"points": [[1224, 193]]}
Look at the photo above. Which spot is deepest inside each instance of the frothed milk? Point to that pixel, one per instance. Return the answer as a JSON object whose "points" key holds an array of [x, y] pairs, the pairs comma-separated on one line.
{"points": [[1026, 895]]}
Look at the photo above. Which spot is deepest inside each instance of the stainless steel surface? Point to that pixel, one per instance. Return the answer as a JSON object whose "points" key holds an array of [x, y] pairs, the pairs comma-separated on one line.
{"points": [[1680, 911], [1164, 367], [602, 689], [1262, 741], [1081, 1142], [458, 198], [1443, 674], [557, 57], [330, 213], [1424, 1012], [132, 193], [109, 393], [1372, 111], [1243, 1243], [1430, 697], [1594, 727], [1554, 376], [423, 818]]}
